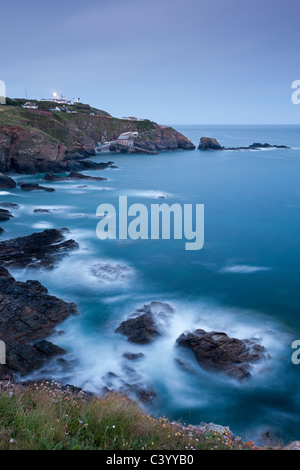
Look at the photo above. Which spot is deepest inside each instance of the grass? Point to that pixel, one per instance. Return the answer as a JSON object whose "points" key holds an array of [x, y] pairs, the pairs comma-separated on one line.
{"points": [[49, 417]]}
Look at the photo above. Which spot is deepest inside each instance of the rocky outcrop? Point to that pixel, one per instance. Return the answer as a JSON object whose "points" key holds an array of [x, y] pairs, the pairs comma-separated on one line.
{"points": [[207, 143], [163, 138], [28, 314], [43, 249], [26, 150], [145, 325], [218, 352], [6, 182]]}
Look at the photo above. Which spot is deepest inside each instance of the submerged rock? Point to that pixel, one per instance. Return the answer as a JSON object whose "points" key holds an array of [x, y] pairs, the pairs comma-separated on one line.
{"points": [[28, 314], [11, 205], [111, 272], [41, 211], [217, 351], [131, 384], [147, 323], [34, 187], [43, 249], [133, 356], [6, 182], [74, 175]]}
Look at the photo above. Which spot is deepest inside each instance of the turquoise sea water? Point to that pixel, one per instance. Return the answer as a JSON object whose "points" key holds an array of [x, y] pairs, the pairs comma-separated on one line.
{"points": [[245, 281]]}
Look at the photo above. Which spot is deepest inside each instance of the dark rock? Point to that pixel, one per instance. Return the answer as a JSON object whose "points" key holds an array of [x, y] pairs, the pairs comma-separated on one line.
{"points": [[42, 211], [133, 356], [5, 215], [217, 351], [1, 230], [11, 205], [146, 324], [257, 146], [81, 165], [48, 348], [52, 177], [6, 182], [43, 249], [207, 143], [34, 187], [74, 175], [132, 385], [28, 314], [143, 393], [79, 176]]}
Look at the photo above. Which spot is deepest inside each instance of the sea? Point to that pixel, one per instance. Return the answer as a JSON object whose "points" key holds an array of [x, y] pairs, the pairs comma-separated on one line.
{"points": [[244, 281]]}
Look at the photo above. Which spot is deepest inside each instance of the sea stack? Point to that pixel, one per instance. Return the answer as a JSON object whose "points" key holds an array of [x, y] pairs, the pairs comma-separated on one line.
{"points": [[208, 143]]}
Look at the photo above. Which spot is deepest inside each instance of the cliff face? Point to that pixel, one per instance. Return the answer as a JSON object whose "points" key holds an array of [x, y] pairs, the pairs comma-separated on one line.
{"points": [[33, 141]]}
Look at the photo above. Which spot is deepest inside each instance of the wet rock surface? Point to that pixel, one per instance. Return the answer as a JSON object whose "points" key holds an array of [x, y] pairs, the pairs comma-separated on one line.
{"points": [[28, 314], [217, 351], [147, 323], [42, 249]]}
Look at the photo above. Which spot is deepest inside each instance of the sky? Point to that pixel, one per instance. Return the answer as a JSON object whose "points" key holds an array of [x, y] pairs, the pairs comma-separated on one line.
{"points": [[171, 61]]}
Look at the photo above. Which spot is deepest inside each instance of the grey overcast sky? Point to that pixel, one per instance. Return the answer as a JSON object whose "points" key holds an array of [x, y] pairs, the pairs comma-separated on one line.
{"points": [[174, 62]]}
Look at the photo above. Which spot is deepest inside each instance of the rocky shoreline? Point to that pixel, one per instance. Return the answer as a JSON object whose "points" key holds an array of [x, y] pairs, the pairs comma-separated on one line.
{"points": [[29, 314]]}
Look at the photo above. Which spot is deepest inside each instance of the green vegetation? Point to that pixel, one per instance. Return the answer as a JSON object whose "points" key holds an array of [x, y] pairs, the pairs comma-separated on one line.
{"points": [[85, 123], [49, 417]]}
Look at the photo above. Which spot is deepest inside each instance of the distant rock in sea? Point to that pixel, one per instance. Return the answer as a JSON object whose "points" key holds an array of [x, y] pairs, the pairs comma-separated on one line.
{"points": [[208, 143]]}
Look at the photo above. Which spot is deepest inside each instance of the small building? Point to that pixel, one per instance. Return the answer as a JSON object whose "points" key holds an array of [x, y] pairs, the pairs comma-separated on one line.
{"points": [[65, 109], [127, 138], [29, 105]]}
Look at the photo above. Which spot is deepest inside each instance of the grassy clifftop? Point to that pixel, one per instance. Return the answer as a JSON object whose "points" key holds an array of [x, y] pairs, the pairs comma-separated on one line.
{"points": [[62, 127], [46, 416]]}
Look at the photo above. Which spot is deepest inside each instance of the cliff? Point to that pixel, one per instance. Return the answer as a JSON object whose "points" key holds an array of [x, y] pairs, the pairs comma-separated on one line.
{"points": [[33, 141]]}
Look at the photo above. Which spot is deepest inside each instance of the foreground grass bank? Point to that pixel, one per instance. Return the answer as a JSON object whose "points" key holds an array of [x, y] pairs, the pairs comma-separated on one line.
{"points": [[46, 416]]}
